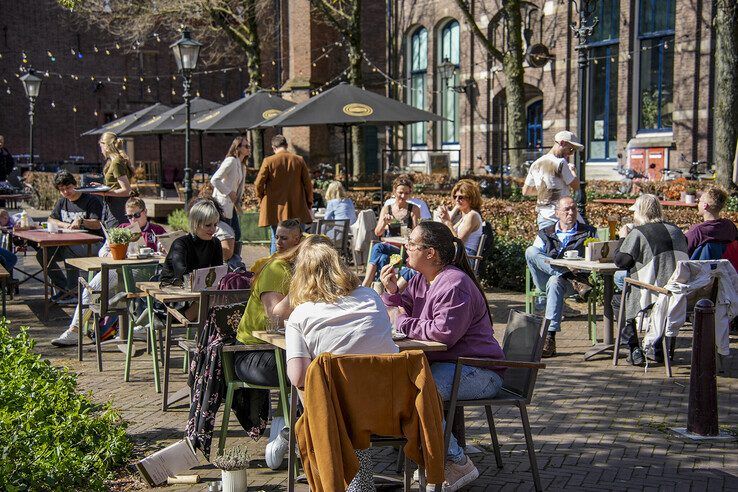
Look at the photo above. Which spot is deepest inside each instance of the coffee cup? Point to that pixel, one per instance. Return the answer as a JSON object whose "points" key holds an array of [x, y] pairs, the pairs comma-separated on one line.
{"points": [[52, 227], [146, 251], [571, 255]]}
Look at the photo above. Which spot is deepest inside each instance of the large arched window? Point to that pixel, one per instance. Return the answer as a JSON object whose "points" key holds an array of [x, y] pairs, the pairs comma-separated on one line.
{"points": [[449, 52], [656, 78], [418, 58]]}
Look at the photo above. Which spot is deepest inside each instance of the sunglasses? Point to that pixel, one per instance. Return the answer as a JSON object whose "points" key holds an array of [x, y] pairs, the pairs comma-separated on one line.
{"points": [[134, 216], [460, 197]]}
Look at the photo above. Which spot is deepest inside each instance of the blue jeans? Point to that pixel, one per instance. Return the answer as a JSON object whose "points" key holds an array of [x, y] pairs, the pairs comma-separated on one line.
{"points": [[273, 237], [619, 279], [8, 260], [380, 256], [549, 279], [475, 383]]}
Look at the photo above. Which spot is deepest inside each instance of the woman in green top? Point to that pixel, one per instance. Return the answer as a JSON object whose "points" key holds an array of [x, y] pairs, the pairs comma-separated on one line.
{"points": [[117, 174]]}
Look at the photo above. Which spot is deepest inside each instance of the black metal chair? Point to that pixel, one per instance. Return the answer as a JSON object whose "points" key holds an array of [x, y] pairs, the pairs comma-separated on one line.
{"points": [[338, 230], [523, 345]]}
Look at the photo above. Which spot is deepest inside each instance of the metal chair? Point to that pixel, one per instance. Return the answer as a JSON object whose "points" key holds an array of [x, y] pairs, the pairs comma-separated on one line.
{"points": [[485, 242], [338, 230], [208, 299], [522, 344]]}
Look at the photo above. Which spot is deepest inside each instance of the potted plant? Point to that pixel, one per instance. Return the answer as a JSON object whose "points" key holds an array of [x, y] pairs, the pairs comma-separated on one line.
{"points": [[233, 464], [690, 195], [118, 239]]}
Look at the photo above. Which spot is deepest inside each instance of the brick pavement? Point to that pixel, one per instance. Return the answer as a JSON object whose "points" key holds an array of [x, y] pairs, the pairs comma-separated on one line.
{"points": [[595, 426]]}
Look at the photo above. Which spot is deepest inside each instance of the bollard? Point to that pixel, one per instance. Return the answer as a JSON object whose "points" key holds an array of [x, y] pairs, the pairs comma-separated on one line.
{"points": [[702, 416]]}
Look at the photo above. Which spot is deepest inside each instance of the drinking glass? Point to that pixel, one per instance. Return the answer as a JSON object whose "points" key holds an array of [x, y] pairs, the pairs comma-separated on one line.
{"points": [[274, 323]]}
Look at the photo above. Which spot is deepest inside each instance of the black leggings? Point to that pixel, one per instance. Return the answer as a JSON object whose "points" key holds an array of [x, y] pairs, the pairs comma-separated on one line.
{"points": [[258, 367], [251, 406]]}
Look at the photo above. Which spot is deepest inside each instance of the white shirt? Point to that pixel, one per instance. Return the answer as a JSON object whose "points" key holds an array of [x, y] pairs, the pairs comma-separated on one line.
{"points": [[228, 178], [551, 176], [356, 324]]}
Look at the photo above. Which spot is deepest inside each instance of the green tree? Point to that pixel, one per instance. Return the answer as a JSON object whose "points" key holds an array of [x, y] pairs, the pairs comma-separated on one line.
{"points": [[512, 66], [230, 29], [726, 90]]}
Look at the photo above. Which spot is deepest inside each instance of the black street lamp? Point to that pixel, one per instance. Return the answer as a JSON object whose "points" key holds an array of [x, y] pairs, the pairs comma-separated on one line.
{"points": [[186, 52], [582, 31], [32, 85]]}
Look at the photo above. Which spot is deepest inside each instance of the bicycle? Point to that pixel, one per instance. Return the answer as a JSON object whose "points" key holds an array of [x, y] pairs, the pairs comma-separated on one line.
{"points": [[629, 175]]}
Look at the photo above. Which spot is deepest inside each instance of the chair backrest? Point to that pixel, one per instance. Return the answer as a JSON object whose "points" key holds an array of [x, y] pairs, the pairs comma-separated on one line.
{"points": [[337, 230], [213, 298], [485, 244], [126, 279], [523, 341]]}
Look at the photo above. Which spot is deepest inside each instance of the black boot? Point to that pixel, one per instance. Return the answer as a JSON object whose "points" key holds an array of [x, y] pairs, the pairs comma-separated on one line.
{"points": [[629, 336]]}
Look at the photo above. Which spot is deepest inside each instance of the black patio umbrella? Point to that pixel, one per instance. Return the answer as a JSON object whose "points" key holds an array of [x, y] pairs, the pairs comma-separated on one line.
{"points": [[127, 122], [242, 114], [346, 105], [170, 122]]}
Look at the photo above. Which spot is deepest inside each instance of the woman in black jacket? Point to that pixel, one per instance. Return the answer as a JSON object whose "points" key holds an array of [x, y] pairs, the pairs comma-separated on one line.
{"points": [[198, 249]]}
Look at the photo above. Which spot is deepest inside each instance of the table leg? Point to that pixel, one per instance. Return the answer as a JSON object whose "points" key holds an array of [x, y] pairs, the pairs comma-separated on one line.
{"points": [[152, 342], [607, 325], [45, 255]]}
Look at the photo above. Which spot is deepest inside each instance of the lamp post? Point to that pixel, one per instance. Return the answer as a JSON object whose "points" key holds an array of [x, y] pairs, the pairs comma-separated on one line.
{"points": [[582, 31], [186, 52], [32, 85]]}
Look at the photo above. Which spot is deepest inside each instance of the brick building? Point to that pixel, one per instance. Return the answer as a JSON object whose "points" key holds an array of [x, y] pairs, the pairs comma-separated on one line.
{"points": [[649, 77]]}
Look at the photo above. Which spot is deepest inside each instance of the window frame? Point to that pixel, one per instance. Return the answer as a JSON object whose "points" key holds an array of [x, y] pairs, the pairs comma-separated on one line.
{"points": [[445, 88], [417, 74]]}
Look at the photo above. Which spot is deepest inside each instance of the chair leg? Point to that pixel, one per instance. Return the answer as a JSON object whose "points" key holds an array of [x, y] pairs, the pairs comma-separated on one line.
{"points": [[81, 322], [226, 415], [621, 324], [665, 347], [167, 352], [98, 348], [408, 474], [529, 445], [129, 352], [592, 321], [152, 341], [493, 434], [401, 459]]}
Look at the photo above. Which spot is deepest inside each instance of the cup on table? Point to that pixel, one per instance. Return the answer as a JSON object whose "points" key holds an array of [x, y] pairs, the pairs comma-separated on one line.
{"points": [[44, 225], [404, 231], [146, 251], [571, 255], [52, 227], [273, 324]]}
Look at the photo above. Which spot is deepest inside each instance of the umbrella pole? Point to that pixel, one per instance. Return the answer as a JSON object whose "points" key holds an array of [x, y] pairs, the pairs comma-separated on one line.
{"points": [[345, 158], [201, 157], [161, 168]]}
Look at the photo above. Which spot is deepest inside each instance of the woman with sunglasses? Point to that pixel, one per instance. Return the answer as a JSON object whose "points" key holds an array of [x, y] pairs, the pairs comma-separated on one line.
{"points": [[136, 215], [445, 303], [464, 219], [228, 182]]}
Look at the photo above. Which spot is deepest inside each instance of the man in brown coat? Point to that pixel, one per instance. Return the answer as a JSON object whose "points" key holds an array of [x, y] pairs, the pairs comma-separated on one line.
{"points": [[283, 187]]}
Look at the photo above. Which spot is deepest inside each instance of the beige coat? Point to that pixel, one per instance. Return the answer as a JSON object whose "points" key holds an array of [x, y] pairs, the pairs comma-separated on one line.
{"points": [[284, 189]]}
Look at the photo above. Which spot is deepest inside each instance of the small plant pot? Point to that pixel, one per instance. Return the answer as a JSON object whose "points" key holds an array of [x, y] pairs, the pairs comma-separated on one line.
{"points": [[234, 480], [118, 251]]}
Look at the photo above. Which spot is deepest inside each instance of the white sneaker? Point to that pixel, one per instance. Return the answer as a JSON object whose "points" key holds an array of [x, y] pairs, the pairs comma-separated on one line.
{"points": [[457, 475], [277, 449], [140, 332], [67, 339]]}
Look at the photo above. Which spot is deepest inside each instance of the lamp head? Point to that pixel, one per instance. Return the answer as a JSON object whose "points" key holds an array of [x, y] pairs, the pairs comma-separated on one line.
{"points": [[186, 52], [31, 83]]}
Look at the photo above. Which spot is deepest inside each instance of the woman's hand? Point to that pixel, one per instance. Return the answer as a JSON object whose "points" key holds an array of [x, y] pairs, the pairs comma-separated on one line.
{"points": [[387, 219], [388, 276], [94, 184], [443, 214]]}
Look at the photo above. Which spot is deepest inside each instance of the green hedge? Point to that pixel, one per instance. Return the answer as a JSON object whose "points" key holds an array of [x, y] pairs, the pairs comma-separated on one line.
{"points": [[504, 264], [52, 437]]}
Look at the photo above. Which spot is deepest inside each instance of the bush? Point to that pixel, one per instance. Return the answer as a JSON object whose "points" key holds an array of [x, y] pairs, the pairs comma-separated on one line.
{"points": [[177, 221], [51, 437], [504, 264]]}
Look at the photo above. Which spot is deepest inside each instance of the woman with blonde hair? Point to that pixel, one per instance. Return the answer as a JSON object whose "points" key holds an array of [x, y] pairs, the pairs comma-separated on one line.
{"points": [[117, 174], [332, 312], [339, 206], [464, 219], [228, 182]]}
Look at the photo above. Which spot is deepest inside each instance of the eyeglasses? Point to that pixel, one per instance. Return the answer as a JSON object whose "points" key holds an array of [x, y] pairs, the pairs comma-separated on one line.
{"points": [[460, 197], [414, 246], [134, 216]]}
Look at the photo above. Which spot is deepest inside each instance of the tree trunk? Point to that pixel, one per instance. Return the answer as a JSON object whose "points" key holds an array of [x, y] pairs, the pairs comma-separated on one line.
{"points": [[726, 91], [512, 65], [355, 78]]}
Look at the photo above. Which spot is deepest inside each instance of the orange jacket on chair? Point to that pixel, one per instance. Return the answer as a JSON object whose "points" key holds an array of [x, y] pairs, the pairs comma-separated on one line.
{"points": [[349, 398]]}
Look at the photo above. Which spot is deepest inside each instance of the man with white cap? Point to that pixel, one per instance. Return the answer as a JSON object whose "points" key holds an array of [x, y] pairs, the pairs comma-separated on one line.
{"points": [[551, 175]]}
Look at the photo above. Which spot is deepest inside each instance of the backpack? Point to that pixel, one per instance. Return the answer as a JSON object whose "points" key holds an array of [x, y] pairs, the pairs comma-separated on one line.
{"points": [[107, 328], [237, 280]]}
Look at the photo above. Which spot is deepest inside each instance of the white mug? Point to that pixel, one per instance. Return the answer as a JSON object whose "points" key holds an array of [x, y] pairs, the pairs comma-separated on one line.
{"points": [[52, 227], [570, 255]]}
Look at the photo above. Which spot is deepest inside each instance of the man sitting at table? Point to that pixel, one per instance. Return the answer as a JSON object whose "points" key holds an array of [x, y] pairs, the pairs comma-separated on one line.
{"points": [[73, 211], [552, 242], [714, 230], [270, 286], [136, 214]]}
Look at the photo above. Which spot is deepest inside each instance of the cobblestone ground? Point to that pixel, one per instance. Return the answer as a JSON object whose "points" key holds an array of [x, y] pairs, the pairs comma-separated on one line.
{"points": [[595, 426]]}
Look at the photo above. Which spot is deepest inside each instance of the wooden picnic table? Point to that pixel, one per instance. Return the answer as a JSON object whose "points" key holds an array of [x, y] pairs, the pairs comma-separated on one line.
{"points": [[277, 340], [631, 201], [45, 240], [607, 270]]}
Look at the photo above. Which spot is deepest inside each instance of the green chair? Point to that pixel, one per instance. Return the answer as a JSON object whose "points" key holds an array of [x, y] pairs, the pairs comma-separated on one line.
{"points": [[233, 383]]}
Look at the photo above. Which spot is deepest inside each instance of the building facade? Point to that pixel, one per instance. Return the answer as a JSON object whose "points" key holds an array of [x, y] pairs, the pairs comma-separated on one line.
{"points": [[649, 81]]}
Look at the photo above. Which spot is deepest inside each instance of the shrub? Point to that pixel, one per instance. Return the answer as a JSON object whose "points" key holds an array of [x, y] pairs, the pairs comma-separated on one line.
{"points": [[504, 264], [51, 437], [177, 220]]}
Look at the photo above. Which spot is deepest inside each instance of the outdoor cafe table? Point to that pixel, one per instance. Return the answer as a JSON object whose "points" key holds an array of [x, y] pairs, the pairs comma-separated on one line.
{"points": [[607, 270], [166, 295], [46, 240], [278, 341], [92, 265]]}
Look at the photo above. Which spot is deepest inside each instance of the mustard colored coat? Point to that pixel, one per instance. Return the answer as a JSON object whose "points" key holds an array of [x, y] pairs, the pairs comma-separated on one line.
{"points": [[284, 189]]}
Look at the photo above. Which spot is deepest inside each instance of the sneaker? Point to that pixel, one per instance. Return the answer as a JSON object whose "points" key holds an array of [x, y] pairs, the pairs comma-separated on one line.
{"points": [[67, 339], [140, 332], [277, 449], [636, 357], [582, 289], [457, 475], [549, 347], [63, 298]]}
